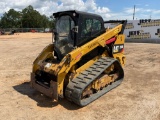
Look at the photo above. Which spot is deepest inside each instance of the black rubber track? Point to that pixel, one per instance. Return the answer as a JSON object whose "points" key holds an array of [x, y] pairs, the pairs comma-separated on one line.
{"points": [[76, 87]]}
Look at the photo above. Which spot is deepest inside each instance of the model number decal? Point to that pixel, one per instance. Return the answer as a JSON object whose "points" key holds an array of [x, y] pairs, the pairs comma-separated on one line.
{"points": [[118, 48]]}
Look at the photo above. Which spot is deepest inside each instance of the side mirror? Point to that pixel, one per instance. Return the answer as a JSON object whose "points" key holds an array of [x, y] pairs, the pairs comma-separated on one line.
{"points": [[75, 29]]}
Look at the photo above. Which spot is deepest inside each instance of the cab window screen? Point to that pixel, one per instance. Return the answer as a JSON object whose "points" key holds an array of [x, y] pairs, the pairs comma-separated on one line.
{"points": [[90, 27]]}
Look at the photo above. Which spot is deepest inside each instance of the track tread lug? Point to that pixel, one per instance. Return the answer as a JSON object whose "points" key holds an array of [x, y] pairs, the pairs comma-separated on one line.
{"points": [[75, 89], [78, 87]]}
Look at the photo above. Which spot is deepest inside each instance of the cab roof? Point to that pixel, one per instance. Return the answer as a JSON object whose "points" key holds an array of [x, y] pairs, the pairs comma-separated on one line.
{"points": [[81, 13]]}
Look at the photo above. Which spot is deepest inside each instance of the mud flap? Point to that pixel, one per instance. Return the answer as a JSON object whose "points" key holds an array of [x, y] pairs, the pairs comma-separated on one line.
{"points": [[48, 91]]}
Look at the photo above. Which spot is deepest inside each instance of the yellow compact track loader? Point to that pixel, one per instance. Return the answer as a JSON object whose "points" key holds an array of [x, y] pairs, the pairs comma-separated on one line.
{"points": [[85, 60]]}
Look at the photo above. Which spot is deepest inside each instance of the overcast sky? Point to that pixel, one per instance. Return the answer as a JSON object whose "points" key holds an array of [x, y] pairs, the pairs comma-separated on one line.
{"points": [[108, 9]]}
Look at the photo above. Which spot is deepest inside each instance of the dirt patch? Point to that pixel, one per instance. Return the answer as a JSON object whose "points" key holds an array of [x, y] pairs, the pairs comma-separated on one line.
{"points": [[137, 98]]}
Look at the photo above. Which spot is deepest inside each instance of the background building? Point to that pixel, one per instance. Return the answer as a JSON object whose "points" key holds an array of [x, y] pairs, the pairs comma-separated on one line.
{"points": [[144, 30]]}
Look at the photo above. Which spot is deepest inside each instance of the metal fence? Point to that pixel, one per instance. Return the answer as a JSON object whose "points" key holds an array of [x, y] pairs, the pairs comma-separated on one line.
{"points": [[26, 30]]}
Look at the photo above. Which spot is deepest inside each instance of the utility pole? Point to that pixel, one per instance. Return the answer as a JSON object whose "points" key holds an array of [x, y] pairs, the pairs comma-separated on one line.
{"points": [[134, 11], [150, 16]]}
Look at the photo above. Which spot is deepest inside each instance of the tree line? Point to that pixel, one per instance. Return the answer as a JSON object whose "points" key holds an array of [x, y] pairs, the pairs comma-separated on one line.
{"points": [[27, 18]]}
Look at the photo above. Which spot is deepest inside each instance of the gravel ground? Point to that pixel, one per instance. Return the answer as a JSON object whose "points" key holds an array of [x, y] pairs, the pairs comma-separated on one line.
{"points": [[137, 98]]}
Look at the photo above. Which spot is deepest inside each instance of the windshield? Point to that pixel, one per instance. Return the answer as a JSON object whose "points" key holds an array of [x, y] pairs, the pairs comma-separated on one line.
{"points": [[64, 35]]}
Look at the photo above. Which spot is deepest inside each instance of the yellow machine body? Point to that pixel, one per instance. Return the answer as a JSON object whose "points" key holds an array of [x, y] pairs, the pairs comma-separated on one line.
{"points": [[66, 70]]}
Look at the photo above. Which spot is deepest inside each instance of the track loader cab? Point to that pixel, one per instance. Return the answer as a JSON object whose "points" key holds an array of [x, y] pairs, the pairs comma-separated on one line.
{"points": [[84, 61], [74, 29]]}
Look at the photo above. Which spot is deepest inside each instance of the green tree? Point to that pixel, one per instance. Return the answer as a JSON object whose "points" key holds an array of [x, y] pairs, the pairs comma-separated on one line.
{"points": [[0, 23], [30, 17], [27, 18], [11, 19], [51, 22]]}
